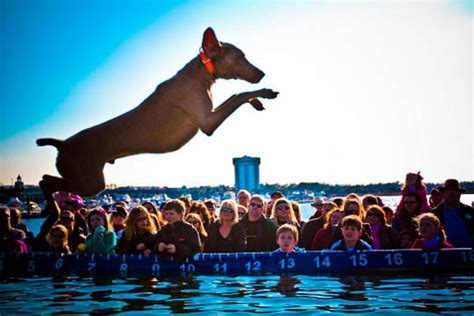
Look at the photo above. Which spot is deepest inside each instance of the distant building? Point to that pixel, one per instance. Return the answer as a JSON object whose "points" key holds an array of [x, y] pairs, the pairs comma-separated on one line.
{"points": [[247, 173]]}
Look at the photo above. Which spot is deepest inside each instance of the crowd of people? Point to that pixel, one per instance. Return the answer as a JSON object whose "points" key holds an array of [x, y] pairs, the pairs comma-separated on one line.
{"points": [[179, 228]]}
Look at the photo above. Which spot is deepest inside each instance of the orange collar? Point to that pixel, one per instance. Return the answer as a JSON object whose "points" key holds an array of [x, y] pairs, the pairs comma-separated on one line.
{"points": [[206, 61]]}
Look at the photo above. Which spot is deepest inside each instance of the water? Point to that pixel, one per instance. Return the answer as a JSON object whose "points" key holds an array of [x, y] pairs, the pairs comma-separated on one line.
{"points": [[241, 295], [423, 294]]}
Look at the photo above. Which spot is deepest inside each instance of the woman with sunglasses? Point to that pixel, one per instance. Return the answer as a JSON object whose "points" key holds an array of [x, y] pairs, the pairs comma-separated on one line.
{"points": [[381, 233], [404, 219], [283, 213], [226, 235], [139, 235]]}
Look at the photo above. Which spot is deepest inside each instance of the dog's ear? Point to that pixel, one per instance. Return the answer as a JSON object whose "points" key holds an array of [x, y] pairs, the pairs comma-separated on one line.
{"points": [[210, 44]]}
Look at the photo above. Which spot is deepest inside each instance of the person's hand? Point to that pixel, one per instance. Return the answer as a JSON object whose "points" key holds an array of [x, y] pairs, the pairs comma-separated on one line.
{"points": [[171, 248], [161, 246], [147, 252], [141, 246]]}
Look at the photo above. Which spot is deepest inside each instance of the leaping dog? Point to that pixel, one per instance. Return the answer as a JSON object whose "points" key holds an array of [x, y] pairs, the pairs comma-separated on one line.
{"points": [[165, 121]]}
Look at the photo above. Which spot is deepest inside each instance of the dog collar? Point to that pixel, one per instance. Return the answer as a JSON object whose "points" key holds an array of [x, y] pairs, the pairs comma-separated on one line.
{"points": [[207, 62]]}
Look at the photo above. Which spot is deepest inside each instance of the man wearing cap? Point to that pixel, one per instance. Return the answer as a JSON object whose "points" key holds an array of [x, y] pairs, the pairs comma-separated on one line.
{"points": [[318, 205], [456, 217], [118, 214]]}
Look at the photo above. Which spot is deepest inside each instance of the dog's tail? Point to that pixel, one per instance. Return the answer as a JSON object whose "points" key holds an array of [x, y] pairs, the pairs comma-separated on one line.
{"points": [[50, 141]]}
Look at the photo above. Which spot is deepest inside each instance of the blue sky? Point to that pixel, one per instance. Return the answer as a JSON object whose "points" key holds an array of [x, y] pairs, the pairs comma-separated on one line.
{"points": [[368, 90], [52, 45]]}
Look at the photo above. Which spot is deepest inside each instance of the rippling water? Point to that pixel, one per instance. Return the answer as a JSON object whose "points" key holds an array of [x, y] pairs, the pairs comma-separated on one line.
{"points": [[239, 295]]}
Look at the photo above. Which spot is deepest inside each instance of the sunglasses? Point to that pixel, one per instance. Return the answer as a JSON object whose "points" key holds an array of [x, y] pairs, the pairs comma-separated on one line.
{"points": [[283, 208], [252, 204], [226, 210], [193, 222]]}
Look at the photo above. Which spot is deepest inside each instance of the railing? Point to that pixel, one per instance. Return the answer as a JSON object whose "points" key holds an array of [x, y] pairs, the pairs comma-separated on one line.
{"points": [[451, 261]]}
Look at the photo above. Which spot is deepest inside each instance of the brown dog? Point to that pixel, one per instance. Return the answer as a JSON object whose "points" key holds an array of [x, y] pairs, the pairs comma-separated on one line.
{"points": [[172, 115]]}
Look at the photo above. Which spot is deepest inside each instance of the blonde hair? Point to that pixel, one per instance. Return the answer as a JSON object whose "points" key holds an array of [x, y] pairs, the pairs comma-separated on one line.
{"points": [[232, 205], [291, 214], [130, 228], [201, 230], [287, 228], [63, 230], [435, 220]]}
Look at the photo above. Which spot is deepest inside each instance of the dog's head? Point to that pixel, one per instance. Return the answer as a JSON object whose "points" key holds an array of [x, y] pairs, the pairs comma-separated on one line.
{"points": [[228, 61]]}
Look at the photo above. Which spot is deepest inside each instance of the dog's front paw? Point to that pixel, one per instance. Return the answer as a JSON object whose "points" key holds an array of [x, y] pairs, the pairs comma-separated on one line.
{"points": [[268, 94], [257, 105]]}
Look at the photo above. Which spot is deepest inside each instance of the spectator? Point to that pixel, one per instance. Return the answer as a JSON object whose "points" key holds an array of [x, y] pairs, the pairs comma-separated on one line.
{"points": [[282, 213], [297, 209], [381, 233], [241, 210], [324, 236], [8, 234], [310, 228], [351, 227], [243, 198], [178, 240], [436, 197], [226, 235], [201, 209], [388, 214], [457, 218], [118, 215], [138, 236], [432, 235], [318, 205], [15, 221], [287, 239], [406, 238], [101, 239], [404, 219], [211, 205], [195, 220], [260, 232], [414, 185], [269, 206], [58, 239]]}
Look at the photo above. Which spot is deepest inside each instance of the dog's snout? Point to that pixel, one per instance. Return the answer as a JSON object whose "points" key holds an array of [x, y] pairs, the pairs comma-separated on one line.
{"points": [[258, 76]]}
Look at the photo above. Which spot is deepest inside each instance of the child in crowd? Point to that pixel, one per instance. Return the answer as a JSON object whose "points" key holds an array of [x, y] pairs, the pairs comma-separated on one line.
{"points": [[287, 239], [101, 240], [406, 238], [432, 235], [178, 240], [414, 185], [322, 238], [139, 234], [57, 239], [118, 215], [195, 220], [351, 228]]}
